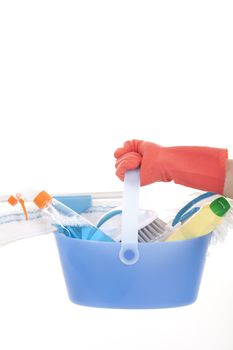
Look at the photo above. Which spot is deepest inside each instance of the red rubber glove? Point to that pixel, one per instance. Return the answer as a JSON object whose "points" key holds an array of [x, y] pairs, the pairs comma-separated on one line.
{"points": [[202, 168]]}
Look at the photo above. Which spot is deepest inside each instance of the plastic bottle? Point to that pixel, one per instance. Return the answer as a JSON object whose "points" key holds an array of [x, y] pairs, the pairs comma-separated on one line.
{"points": [[70, 222], [202, 222]]}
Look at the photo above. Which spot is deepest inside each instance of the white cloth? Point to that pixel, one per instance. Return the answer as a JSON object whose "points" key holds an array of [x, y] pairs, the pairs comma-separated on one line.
{"points": [[13, 225]]}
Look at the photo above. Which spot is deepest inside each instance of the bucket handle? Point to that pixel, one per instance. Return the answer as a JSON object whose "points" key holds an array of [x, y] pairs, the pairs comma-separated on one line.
{"points": [[129, 253]]}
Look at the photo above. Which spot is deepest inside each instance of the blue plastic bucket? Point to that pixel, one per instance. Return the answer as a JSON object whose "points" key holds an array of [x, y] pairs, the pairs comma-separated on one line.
{"points": [[166, 274]]}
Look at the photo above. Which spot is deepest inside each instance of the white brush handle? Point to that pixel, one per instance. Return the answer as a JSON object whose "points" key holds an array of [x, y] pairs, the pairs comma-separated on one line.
{"points": [[129, 246]]}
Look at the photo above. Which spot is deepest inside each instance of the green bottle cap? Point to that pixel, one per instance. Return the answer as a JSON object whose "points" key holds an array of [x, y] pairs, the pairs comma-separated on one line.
{"points": [[220, 206]]}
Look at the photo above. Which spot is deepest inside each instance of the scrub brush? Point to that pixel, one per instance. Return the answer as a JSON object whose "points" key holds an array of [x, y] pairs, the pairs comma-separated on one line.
{"points": [[154, 231], [150, 227]]}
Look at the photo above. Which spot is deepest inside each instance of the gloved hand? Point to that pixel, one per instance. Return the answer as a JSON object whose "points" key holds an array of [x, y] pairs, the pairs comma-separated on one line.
{"points": [[202, 168]]}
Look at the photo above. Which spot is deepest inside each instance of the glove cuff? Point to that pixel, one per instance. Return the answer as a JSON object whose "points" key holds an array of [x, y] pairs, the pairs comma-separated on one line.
{"points": [[202, 168]]}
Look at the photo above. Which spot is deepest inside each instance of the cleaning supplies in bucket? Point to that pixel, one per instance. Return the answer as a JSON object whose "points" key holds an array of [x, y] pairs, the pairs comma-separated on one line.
{"points": [[197, 222], [70, 222], [46, 214], [202, 222]]}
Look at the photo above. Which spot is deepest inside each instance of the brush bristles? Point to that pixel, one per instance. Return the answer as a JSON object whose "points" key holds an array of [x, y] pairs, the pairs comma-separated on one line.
{"points": [[152, 232]]}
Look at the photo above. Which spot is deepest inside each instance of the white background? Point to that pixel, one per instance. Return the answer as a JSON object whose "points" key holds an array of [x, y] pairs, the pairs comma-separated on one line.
{"points": [[77, 78]]}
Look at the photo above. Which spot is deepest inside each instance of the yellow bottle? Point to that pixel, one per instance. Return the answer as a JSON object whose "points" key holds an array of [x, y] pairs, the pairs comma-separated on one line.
{"points": [[203, 222]]}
